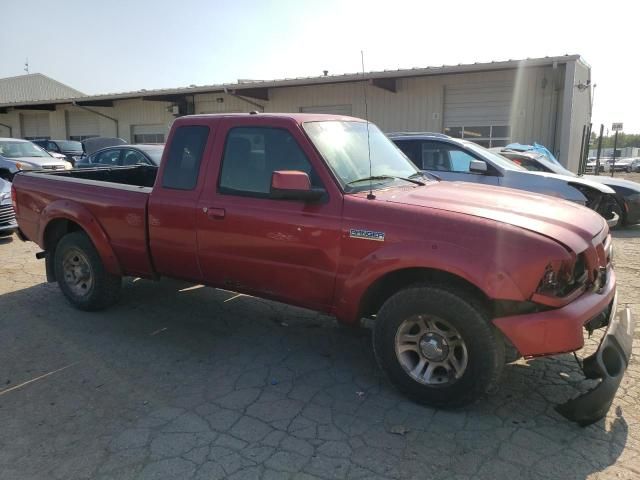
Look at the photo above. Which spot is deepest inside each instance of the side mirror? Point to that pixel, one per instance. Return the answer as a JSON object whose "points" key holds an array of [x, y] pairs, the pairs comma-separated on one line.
{"points": [[478, 166], [293, 185]]}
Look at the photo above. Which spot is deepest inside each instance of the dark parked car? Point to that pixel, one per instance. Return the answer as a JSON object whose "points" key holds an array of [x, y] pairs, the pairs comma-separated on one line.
{"points": [[7, 216], [627, 193], [93, 144], [71, 149], [123, 155]]}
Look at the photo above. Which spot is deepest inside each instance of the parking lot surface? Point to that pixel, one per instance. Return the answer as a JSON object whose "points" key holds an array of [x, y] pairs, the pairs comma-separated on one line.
{"points": [[186, 382]]}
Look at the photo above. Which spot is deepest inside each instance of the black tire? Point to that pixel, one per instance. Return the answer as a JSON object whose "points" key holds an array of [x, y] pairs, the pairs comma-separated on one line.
{"points": [[484, 346], [104, 288]]}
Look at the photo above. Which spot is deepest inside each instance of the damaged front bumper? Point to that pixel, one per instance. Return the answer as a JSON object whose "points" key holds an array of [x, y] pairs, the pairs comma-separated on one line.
{"points": [[608, 364]]}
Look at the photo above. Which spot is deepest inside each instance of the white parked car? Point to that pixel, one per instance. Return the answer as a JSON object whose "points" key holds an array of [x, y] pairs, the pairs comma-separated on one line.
{"points": [[17, 155], [464, 161]]}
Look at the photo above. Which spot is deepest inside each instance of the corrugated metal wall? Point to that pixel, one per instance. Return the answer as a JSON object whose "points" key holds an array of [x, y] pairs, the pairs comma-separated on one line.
{"points": [[35, 125], [81, 123], [481, 104], [533, 99]]}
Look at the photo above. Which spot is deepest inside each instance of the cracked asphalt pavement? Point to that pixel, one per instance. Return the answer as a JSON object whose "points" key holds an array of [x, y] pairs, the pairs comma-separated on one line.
{"points": [[183, 382]]}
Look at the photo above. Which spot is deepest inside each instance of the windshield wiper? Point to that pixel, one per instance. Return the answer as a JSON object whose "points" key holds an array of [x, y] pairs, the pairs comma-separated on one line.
{"points": [[424, 173], [385, 177]]}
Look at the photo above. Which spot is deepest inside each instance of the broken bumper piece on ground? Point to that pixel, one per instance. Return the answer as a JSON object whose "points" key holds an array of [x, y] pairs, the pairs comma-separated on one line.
{"points": [[608, 364]]}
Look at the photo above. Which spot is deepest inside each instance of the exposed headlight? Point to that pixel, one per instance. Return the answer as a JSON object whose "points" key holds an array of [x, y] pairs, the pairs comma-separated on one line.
{"points": [[561, 278], [67, 165]]}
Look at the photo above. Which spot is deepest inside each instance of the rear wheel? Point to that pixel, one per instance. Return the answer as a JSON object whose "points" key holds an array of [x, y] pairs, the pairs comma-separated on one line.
{"points": [[438, 346], [81, 274]]}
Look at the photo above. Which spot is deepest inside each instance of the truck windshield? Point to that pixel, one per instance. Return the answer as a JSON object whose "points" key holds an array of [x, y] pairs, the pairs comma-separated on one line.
{"points": [[344, 146], [21, 150]]}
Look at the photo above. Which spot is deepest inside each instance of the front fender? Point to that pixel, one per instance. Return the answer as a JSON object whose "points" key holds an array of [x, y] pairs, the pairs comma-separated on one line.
{"points": [[475, 268], [79, 214]]}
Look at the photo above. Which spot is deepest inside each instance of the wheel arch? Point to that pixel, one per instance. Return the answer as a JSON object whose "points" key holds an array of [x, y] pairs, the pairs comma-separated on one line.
{"points": [[394, 281], [63, 217]]}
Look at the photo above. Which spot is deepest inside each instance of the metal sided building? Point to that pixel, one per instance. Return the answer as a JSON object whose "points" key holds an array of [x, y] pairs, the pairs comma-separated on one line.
{"points": [[545, 100]]}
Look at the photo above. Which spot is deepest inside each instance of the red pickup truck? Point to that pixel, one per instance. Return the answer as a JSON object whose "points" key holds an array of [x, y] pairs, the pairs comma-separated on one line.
{"points": [[326, 213]]}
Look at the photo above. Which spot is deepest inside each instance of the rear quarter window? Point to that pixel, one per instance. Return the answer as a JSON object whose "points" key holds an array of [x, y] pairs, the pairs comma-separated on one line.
{"points": [[185, 156]]}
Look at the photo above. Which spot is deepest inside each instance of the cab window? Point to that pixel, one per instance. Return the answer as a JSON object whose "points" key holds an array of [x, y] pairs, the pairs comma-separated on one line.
{"points": [[252, 154], [184, 158]]}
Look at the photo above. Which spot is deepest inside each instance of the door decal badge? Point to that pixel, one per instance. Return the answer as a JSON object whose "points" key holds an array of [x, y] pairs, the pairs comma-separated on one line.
{"points": [[366, 234]]}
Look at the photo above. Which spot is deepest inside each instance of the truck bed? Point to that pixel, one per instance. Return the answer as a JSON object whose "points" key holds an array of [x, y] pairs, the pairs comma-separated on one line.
{"points": [[136, 175], [115, 197]]}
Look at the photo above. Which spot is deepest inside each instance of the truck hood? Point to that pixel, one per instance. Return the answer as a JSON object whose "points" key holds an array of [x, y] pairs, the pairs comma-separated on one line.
{"points": [[568, 223]]}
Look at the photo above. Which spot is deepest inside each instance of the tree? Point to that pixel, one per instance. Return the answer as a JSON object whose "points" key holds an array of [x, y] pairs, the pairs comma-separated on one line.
{"points": [[624, 140]]}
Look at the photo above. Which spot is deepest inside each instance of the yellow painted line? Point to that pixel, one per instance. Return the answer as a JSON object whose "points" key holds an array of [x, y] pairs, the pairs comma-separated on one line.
{"points": [[234, 297], [195, 287], [24, 384]]}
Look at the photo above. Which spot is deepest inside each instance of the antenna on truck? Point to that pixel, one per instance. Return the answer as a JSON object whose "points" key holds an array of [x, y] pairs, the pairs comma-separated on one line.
{"points": [[371, 196]]}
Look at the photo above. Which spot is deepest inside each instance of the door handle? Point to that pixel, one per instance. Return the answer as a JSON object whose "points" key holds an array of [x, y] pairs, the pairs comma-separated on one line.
{"points": [[214, 212]]}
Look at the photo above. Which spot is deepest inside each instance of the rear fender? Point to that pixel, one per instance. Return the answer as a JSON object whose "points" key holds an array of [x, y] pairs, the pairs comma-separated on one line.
{"points": [[445, 257], [79, 214]]}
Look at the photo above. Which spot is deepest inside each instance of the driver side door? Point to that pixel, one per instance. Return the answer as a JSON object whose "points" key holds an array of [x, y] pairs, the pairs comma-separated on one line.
{"points": [[249, 242]]}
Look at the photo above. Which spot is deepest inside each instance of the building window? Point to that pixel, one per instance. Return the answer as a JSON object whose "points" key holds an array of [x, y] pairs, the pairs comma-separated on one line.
{"points": [[487, 136], [79, 138], [148, 138]]}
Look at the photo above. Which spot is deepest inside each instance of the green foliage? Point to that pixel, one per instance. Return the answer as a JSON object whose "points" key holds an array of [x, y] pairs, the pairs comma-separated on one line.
{"points": [[624, 140]]}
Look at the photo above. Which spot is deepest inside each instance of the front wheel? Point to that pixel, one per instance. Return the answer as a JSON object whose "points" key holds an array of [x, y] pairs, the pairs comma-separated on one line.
{"points": [[438, 347], [81, 274]]}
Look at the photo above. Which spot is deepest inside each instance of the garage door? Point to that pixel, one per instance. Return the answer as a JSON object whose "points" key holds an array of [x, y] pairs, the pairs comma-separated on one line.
{"points": [[35, 126], [82, 125], [332, 109], [147, 133], [480, 113]]}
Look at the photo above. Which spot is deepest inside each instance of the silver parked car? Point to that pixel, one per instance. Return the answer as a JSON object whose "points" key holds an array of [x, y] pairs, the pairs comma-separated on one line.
{"points": [[7, 216], [461, 160], [625, 165], [17, 155]]}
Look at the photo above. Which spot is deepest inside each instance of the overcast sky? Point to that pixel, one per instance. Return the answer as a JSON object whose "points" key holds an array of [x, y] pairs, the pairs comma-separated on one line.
{"points": [[119, 45]]}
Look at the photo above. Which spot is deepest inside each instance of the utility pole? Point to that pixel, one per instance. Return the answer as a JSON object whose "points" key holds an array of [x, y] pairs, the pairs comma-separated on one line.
{"points": [[615, 127], [597, 172]]}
